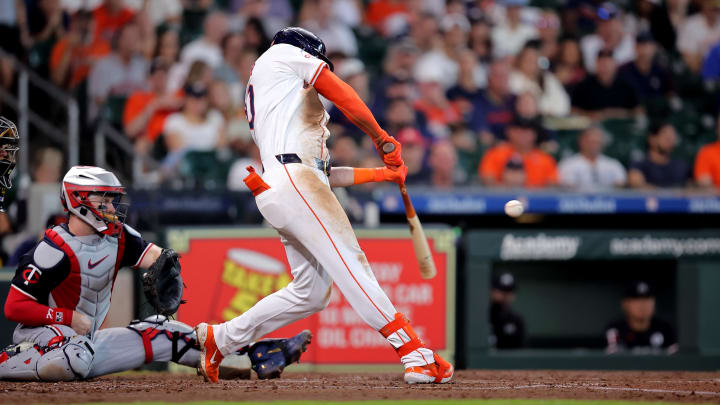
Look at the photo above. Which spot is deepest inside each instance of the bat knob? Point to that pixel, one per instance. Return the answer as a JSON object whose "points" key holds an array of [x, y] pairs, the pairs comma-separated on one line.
{"points": [[388, 147]]}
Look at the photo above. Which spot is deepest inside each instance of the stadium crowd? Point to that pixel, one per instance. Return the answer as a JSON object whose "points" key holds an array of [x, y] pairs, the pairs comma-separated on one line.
{"points": [[581, 94]]}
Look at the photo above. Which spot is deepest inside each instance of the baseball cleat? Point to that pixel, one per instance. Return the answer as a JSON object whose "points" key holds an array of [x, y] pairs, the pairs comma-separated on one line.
{"points": [[270, 357], [439, 372], [210, 356]]}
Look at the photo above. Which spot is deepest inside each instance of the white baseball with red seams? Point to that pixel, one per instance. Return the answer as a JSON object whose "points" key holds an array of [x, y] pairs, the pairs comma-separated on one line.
{"points": [[286, 116]]}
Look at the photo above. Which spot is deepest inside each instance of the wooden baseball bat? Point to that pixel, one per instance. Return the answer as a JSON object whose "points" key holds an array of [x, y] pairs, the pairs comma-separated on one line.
{"points": [[417, 234]]}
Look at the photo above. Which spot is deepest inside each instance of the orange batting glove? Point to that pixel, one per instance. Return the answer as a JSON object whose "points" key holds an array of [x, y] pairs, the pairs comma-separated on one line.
{"points": [[393, 158], [378, 174]]}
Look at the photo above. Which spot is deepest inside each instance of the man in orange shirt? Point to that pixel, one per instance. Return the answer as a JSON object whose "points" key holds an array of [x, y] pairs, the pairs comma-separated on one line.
{"points": [[109, 17], [145, 111], [74, 54], [707, 164], [517, 162]]}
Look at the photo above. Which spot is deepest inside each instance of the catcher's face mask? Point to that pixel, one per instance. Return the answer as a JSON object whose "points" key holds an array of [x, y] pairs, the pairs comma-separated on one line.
{"points": [[110, 207], [9, 145]]}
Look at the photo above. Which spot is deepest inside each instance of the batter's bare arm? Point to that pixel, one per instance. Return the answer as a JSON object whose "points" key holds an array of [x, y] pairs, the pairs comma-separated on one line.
{"points": [[348, 101], [348, 176]]}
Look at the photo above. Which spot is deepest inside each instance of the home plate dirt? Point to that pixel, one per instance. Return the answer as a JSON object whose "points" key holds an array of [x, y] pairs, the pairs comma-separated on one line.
{"points": [[647, 386]]}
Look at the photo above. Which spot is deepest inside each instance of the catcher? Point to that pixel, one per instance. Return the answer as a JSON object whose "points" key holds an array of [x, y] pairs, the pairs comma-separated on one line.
{"points": [[61, 292]]}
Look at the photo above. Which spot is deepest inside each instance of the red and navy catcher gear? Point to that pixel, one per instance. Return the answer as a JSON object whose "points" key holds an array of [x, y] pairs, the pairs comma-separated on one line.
{"points": [[305, 40], [80, 183]]}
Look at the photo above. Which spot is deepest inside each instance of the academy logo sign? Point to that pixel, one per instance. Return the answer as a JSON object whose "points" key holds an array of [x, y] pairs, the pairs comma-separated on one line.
{"points": [[539, 247]]}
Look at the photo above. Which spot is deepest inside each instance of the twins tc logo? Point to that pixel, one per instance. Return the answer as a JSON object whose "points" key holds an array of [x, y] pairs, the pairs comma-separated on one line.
{"points": [[31, 275]]}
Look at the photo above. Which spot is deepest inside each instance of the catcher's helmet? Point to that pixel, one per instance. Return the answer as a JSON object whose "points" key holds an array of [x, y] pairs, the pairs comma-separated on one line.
{"points": [[82, 182], [9, 145], [305, 40]]}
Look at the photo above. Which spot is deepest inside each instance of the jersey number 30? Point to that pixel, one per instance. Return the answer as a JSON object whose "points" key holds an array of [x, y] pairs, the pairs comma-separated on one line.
{"points": [[250, 106]]}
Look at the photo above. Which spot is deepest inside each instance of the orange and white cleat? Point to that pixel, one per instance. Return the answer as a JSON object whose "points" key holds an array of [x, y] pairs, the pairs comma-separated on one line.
{"points": [[439, 372], [210, 356]]}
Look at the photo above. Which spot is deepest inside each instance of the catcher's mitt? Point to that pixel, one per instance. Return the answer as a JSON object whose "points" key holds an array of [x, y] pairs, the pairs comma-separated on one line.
{"points": [[162, 284]]}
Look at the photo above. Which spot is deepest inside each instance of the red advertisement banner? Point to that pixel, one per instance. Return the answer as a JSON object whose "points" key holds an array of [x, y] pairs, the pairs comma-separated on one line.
{"points": [[227, 275]]}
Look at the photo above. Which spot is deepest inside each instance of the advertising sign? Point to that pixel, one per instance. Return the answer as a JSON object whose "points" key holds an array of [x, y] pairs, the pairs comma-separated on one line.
{"points": [[228, 270]]}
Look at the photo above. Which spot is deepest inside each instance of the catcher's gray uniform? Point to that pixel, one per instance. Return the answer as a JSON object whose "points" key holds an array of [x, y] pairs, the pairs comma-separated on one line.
{"points": [[65, 273]]}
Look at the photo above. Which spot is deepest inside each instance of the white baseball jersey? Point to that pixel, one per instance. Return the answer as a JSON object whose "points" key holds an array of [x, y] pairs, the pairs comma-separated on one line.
{"points": [[282, 107]]}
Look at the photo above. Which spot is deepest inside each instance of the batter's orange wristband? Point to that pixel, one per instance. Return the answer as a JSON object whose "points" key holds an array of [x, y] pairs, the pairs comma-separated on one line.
{"points": [[363, 175]]}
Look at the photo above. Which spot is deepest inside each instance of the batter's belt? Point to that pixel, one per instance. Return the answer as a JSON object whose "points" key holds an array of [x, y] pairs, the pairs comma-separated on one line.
{"points": [[322, 165]]}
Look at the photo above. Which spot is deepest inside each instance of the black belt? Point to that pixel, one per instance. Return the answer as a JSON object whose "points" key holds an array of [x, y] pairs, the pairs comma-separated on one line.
{"points": [[322, 165]]}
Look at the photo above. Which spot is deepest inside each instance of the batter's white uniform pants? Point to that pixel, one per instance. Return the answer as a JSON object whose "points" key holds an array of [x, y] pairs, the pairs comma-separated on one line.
{"points": [[321, 247]]}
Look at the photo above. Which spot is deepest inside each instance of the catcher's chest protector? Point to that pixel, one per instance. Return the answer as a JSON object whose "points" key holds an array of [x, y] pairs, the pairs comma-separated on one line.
{"points": [[96, 258]]}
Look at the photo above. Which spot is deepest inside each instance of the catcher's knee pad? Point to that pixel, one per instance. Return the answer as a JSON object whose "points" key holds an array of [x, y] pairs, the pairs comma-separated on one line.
{"points": [[63, 359], [67, 361], [180, 340]]}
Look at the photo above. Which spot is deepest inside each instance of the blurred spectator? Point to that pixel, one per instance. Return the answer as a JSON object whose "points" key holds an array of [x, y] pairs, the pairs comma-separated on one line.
{"points": [[493, 109], [510, 36], [110, 17], [424, 32], [28, 244], [388, 17], [74, 54], [531, 76], [196, 127], [400, 114], [609, 35], [443, 163], [47, 166], [317, 16], [442, 60], [43, 23], [518, 162], [471, 77], [344, 151], [229, 70], [255, 36], [168, 47], [12, 16], [589, 169], [414, 151], [207, 47], [603, 95], [568, 65], [275, 13], [508, 327], [395, 81], [480, 40], [640, 331], [146, 110], [665, 19], [698, 33], [548, 26], [163, 12], [707, 164], [433, 104], [659, 169], [648, 78], [119, 73]]}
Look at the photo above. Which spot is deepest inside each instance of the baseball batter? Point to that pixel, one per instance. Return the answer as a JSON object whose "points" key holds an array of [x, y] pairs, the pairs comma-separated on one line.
{"points": [[61, 293], [294, 196]]}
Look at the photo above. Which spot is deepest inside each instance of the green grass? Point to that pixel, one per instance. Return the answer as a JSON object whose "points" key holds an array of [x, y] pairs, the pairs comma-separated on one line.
{"points": [[428, 402]]}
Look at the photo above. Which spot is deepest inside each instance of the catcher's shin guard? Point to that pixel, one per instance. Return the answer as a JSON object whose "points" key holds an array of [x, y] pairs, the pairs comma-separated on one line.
{"points": [[167, 340], [269, 357], [63, 359]]}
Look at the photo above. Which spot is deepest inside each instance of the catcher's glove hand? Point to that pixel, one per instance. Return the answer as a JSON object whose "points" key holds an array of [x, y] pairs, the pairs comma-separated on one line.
{"points": [[162, 284]]}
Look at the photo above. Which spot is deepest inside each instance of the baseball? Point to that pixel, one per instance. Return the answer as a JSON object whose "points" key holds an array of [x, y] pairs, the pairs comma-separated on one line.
{"points": [[514, 208]]}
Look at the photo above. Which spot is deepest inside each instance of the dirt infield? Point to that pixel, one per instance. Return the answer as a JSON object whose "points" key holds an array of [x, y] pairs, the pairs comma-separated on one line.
{"points": [[648, 386]]}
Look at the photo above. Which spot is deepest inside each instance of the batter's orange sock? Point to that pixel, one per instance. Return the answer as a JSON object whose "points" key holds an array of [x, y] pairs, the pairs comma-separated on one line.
{"points": [[363, 175]]}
